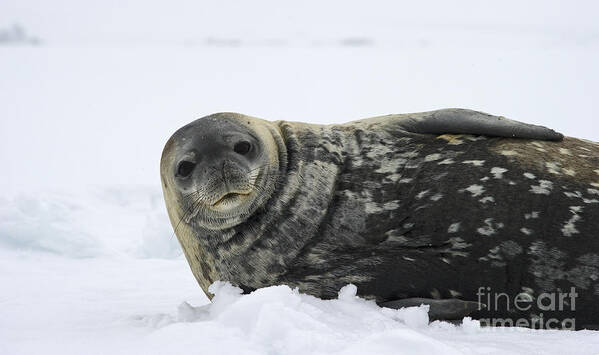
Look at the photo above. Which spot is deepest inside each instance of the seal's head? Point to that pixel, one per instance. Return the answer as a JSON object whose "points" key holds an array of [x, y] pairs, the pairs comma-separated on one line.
{"points": [[217, 170]]}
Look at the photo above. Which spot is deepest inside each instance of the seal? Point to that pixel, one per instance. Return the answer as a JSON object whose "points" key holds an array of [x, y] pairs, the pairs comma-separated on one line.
{"points": [[450, 207]]}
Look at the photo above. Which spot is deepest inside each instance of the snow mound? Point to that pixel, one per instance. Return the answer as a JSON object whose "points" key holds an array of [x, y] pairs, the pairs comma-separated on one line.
{"points": [[279, 320]]}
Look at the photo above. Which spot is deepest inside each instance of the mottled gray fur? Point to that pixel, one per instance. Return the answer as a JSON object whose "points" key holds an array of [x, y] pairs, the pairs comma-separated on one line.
{"points": [[402, 210]]}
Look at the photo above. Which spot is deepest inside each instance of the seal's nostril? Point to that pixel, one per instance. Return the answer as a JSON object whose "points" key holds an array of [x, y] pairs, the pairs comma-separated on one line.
{"points": [[185, 168], [242, 147]]}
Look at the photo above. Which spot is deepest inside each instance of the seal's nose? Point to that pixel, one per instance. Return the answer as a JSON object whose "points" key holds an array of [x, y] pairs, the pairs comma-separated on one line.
{"points": [[223, 155], [237, 150]]}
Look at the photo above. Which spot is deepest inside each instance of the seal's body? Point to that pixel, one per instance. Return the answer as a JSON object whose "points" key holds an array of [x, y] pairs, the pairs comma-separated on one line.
{"points": [[396, 207]]}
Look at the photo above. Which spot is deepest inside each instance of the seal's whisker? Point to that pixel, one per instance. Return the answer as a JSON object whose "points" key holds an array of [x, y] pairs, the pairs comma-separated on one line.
{"points": [[257, 168], [187, 213]]}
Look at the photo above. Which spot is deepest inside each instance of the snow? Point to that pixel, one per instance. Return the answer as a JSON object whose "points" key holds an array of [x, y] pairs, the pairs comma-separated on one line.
{"points": [[94, 222], [153, 306], [88, 260]]}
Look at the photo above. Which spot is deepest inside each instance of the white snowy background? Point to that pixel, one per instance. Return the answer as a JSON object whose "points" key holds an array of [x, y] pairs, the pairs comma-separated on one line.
{"points": [[90, 92]]}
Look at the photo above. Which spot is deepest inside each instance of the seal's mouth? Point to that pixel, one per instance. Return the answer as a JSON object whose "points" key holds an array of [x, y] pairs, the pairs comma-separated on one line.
{"points": [[230, 198]]}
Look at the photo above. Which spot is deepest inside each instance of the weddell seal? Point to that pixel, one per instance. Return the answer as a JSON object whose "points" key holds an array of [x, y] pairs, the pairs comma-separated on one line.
{"points": [[458, 209]]}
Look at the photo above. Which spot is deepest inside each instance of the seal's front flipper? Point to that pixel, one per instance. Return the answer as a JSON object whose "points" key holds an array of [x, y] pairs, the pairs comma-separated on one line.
{"points": [[448, 309], [461, 121]]}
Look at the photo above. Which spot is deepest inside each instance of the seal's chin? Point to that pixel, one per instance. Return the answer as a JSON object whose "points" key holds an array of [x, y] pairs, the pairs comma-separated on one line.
{"points": [[230, 201]]}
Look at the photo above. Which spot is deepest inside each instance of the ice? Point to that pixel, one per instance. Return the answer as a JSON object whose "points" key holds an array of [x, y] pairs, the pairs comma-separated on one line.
{"points": [[89, 223]]}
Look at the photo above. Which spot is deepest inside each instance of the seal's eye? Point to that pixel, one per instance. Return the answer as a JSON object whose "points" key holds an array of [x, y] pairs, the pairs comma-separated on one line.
{"points": [[185, 168], [242, 147]]}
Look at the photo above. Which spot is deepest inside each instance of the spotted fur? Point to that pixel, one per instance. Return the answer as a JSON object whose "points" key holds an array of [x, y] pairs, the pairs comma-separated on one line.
{"points": [[405, 215]]}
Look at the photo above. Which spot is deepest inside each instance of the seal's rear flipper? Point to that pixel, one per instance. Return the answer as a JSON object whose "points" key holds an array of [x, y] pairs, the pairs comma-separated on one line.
{"points": [[461, 121], [448, 309]]}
